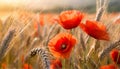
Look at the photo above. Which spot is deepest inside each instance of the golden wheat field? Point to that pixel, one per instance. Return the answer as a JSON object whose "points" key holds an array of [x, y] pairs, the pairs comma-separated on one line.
{"points": [[69, 39]]}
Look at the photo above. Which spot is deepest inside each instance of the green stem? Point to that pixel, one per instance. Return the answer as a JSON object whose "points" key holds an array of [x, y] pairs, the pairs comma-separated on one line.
{"points": [[63, 64]]}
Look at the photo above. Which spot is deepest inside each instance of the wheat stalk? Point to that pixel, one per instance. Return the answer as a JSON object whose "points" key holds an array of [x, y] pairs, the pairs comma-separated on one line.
{"points": [[50, 32], [7, 24], [108, 49], [17, 36], [100, 8], [5, 43], [82, 42], [99, 14], [92, 63]]}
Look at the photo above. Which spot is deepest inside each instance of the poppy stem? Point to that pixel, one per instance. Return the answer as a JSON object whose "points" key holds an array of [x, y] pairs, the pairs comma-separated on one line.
{"points": [[63, 64], [72, 31]]}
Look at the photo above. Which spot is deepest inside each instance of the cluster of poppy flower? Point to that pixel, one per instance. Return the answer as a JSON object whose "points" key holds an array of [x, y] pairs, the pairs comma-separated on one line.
{"points": [[115, 56], [24, 66], [61, 45]]}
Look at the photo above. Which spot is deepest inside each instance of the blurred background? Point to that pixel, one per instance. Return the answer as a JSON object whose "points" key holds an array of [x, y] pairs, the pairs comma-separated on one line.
{"points": [[56, 6], [33, 23]]}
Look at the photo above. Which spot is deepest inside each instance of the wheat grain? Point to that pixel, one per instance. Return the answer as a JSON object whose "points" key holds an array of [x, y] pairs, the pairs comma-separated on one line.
{"points": [[5, 43], [42, 53], [99, 14]]}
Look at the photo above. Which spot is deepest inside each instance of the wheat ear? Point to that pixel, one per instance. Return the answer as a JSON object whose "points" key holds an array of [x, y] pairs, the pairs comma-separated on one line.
{"points": [[5, 43], [108, 49], [43, 54]]}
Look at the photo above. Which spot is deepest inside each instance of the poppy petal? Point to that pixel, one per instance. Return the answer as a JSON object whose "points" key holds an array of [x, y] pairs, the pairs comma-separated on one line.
{"points": [[70, 19], [95, 29], [115, 55], [110, 66], [61, 45]]}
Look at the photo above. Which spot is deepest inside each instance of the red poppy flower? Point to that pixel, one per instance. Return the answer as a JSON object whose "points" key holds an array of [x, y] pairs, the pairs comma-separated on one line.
{"points": [[4, 66], [39, 22], [35, 24], [38, 25], [56, 64], [61, 45], [27, 66], [95, 29], [41, 19], [70, 19], [111, 66], [22, 58], [115, 55]]}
